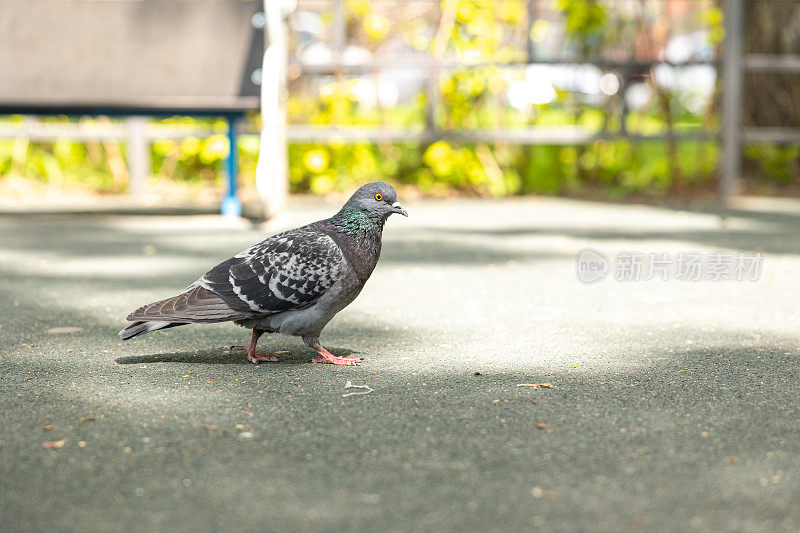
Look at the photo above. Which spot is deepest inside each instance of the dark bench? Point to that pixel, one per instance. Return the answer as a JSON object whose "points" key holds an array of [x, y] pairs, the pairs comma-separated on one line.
{"points": [[133, 57]]}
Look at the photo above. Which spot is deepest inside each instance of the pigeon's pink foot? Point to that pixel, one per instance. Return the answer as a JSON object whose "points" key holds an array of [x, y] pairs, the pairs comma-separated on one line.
{"points": [[336, 360], [256, 358], [328, 357]]}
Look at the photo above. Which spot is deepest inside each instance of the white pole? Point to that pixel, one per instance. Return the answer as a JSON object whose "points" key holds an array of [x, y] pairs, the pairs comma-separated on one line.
{"points": [[732, 98], [272, 173], [138, 155]]}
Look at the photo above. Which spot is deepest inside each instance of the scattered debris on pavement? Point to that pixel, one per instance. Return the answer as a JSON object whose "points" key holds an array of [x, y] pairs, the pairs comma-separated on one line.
{"points": [[349, 385], [212, 428], [540, 493]]}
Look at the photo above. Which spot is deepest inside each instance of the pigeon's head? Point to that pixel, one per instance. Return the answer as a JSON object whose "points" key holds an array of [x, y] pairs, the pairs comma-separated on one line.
{"points": [[377, 199]]}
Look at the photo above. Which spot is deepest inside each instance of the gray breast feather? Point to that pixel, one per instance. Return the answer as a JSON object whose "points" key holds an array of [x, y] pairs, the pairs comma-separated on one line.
{"points": [[288, 271]]}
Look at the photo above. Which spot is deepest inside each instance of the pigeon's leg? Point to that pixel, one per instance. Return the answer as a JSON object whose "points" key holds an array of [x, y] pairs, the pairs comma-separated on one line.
{"points": [[252, 356], [327, 357]]}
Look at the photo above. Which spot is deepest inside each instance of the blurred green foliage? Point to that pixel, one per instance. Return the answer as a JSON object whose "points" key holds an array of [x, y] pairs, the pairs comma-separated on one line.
{"points": [[585, 22], [471, 98], [468, 98]]}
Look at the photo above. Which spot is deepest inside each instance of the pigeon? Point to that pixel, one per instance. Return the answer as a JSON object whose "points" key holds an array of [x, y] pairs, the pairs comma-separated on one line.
{"points": [[291, 283]]}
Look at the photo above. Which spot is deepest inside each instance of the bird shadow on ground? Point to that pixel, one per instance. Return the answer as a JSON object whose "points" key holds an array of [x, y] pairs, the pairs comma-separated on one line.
{"points": [[227, 357]]}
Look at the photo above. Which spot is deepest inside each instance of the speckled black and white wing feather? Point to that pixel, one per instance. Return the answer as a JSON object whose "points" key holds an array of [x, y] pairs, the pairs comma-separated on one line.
{"points": [[288, 271]]}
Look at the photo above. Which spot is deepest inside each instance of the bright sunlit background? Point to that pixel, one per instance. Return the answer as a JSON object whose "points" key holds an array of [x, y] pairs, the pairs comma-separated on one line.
{"points": [[613, 99]]}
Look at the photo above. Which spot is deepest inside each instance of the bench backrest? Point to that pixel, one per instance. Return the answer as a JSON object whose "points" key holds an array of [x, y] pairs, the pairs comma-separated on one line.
{"points": [[129, 56]]}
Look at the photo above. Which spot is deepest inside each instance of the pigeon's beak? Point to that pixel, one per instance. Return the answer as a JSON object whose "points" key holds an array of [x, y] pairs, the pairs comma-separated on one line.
{"points": [[397, 208]]}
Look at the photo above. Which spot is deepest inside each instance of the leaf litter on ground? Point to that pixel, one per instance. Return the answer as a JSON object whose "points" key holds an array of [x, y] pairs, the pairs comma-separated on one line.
{"points": [[212, 429]]}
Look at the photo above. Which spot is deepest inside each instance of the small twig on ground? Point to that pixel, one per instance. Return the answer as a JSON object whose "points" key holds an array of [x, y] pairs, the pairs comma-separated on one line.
{"points": [[349, 385]]}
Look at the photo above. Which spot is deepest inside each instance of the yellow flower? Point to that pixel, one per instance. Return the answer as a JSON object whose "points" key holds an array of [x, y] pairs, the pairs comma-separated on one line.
{"points": [[316, 160], [376, 26]]}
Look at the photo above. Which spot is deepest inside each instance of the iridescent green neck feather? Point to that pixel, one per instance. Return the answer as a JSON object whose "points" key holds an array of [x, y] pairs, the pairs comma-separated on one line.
{"points": [[356, 222]]}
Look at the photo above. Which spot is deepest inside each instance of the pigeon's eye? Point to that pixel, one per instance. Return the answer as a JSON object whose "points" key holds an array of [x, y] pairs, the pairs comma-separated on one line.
{"points": [[379, 197]]}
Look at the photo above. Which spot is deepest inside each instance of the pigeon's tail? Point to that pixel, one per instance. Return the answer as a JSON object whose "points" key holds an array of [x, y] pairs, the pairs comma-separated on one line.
{"points": [[197, 304], [139, 328]]}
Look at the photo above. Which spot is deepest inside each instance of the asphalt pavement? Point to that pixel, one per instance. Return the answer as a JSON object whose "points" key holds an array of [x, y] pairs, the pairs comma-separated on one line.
{"points": [[672, 404]]}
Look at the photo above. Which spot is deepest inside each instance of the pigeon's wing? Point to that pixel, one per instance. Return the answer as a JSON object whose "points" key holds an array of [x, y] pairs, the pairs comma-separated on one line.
{"points": [[196, 304], [288, 271]]}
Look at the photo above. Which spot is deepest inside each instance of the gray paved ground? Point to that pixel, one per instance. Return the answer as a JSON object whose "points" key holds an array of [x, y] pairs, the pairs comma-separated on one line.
{"points": [[674, 404]]}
